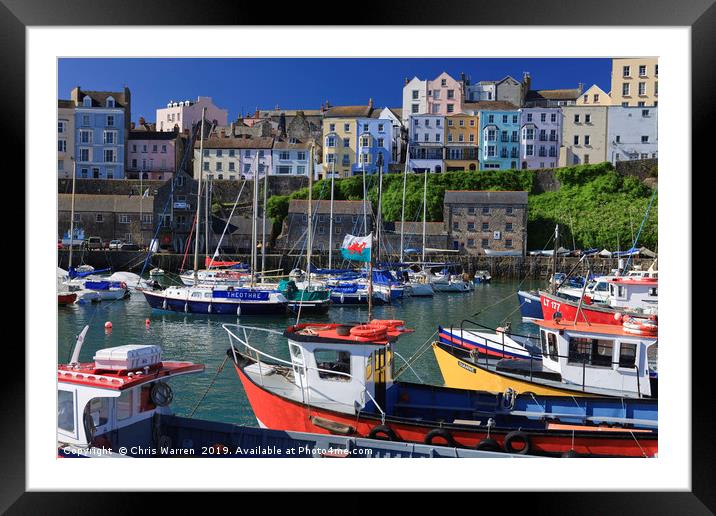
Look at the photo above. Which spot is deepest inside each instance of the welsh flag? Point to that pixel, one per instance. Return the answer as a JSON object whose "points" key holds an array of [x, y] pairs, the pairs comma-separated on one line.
{"points": [[356, 248]]}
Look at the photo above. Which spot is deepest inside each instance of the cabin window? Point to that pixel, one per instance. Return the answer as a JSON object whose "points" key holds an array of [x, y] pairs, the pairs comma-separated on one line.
{"points": [[196, 294], [66, 410], [594, 352], [627, 355], [653, 292], [124, 405], [333, 364], [549, 345], [601, 287], [98, 408]]}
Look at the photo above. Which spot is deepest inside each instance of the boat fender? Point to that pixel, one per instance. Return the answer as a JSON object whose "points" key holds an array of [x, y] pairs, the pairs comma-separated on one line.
{"points": [[382, 430], [238, 310], [164, 304], [518, 436], [90, 428], [161, 394], [186, 307], [208, 309], [123, 285], [489, 445], [440, 433]]}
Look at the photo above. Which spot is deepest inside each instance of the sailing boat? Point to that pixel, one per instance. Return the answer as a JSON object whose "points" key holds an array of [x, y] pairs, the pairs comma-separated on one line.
{"points": [[218, 299], [417, 284], [303, 296]]}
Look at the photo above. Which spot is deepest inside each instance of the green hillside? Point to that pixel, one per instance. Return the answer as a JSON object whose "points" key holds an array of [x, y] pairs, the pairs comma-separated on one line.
{"points": [[595, 206]]}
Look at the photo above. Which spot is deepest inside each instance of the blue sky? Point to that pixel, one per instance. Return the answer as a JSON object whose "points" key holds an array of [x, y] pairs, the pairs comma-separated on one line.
{"points": [[243, 84]]}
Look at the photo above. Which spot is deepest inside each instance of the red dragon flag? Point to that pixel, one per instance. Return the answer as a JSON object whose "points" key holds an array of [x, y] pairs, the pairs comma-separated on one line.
{"points": [[357, 249]]}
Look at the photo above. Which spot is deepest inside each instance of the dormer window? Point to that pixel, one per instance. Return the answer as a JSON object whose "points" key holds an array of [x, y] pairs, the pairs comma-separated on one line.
{"points": [[87, 101], [110, 102]]}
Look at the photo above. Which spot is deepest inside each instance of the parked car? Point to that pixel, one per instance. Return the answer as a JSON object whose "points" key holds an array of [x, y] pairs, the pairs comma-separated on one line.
{"points": [[115, 244], [129, 247], [94, 243]]}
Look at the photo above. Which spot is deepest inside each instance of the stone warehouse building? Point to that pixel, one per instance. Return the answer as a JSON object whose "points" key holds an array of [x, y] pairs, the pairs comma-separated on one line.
{"points": [[128, 218], [486, 220], [347, 219], [436, 237]]}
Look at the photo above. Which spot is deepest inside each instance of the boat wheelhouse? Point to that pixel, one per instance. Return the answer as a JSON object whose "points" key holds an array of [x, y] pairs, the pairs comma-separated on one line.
{"points": [[340, 380], [578, 359]]}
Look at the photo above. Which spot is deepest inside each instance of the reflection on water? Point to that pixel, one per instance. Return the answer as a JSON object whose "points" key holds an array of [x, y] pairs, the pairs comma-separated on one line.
{"points": [[200, 338]]}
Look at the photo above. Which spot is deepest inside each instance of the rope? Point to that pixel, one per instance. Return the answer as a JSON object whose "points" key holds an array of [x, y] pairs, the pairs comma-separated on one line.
{"points": [[211, 384], [415, 356], [639, 445]]}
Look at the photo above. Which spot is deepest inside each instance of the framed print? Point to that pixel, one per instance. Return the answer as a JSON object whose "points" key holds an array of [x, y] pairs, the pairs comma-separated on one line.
{"points": [[330, 236]]}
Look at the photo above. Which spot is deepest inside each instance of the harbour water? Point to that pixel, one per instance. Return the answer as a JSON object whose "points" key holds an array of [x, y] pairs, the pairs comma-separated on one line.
{"points": [[201, 338]]}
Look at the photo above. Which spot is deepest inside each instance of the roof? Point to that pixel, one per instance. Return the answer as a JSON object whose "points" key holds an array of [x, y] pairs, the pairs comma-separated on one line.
{"points": [[61, 103], [348, 112], [152, 135], [373, 333], [286, 144], [99, 98], [237, 142], [485, 197], [561, 94], [416, 228], [324, 207], [605, 329], [266, 113], [105, 203], [490, 105], [87, 374]]}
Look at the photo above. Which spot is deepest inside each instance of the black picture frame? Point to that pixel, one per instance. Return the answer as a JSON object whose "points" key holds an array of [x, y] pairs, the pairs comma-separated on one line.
{"points": [[700, 15]]}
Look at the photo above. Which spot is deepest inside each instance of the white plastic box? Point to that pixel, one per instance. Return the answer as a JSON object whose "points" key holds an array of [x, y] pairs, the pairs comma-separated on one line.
{"points": [[129, 357]]}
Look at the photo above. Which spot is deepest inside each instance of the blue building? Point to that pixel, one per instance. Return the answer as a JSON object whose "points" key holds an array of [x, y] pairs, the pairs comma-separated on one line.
{"points": [[374, 138], [499, 139], [101, 129]]}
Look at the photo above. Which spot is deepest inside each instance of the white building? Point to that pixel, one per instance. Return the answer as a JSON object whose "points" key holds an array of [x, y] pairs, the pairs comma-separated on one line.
{"points": [[632, 133], [290, 157], [426, 143], [415, 98], [483, 90], [233, 157], [185, 113]]}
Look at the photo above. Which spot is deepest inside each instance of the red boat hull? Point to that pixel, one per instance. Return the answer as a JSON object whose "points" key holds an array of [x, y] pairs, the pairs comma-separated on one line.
{"points": [[568, 309], [66, 299], [279, 413]]}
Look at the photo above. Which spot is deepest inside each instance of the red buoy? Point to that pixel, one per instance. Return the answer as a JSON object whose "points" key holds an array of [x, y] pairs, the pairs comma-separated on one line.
{"points": [[108, 325]]}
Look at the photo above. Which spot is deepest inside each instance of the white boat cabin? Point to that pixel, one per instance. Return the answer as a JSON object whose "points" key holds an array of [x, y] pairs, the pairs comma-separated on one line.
{"points": [[98, 402], [634, 293], [599, 356]]}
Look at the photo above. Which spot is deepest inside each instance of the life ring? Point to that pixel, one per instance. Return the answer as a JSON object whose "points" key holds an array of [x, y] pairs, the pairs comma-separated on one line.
{"points": [[161, 394], [440, 433], [384, 430], [518, 436], [367, 331], [489, 444], [640, 326]]}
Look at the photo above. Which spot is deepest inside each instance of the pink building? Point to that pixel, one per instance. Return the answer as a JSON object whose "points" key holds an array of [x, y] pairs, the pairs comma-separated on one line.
{"points": [[185, 113], [153, 154], [445, 95]]}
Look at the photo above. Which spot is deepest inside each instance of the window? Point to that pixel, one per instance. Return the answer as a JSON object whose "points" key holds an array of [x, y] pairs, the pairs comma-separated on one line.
{"points": [[625, 89], [414, 108], [61, 145], [61, 126], [490, 119], [331, 141], [347, 127], [124, 405], [415, 94], [85, 136], [509, 210], [98, 409], [232, 166], [586, 139], [642, 71], [618, 138], [66, 410], [529, 150], [508, 242], [109, 155], [456, 226], [656, 70], [586, 159], [626, 71], [451, 108], [576, 119], [87, 101], [576, 139], [543, 117], [218, 166], [642, 88], [485, 242], [627, 355], [123, 218], [85, 120], [504, 119], [60, 164], [596, 98], [587, 119], [346, 142], [553, 117], [486, 226], [84, 154], [644, 139], [99, 217], [110, 137], [443, 82], [232, 152], [206, 166], [529, 117], [380, 128], [508, 227], [594, 352], [284, 155], [110, 120], [331, 127]]}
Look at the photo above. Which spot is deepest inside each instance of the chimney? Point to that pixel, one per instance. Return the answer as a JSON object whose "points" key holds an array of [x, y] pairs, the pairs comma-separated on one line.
{"points": [[233, 129], [131, 126], [282, 125], [370, 103], [406, 81], [142, 121], [580, 88]]}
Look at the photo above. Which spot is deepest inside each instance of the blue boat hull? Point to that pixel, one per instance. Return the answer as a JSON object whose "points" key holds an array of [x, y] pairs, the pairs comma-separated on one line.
{"points": [[234, 307], [354, 299], [530, 305]]}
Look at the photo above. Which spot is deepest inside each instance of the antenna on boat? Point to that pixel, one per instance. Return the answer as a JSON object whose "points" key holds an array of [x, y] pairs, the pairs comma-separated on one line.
{"points": [[78, 345]]}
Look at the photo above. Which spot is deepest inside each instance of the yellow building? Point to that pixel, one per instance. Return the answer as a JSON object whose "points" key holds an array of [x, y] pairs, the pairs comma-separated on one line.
{"points": [[594, 96], [461, 142], [635, 81], [340, 137]]}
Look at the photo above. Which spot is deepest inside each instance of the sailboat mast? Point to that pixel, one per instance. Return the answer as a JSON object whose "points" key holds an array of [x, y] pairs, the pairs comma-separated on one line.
{"points": [[72, 212], [254, 221], [425, 210], [365, 195], [402, 212], [554, 258], [379, 217], [310, 219], [207, 193], [263, 226], [330, 222], [198, 197]]}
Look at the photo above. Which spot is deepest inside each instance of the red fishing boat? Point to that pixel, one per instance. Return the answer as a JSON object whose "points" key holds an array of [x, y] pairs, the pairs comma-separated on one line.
{"points": [[66, 298], [340, 380]]}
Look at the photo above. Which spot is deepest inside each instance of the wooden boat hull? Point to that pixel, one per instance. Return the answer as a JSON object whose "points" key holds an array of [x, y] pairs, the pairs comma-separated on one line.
{"points": [[279, 413], [66, 299], [460, 374]]}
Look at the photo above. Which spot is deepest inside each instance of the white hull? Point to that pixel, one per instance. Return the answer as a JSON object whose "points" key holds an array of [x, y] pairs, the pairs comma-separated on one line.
{"points": [[420, 289], [453, 286]]}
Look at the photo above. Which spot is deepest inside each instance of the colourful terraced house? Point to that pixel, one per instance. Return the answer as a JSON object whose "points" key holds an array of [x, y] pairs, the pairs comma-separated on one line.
{"points": [[374, 138], [499, 139], [540, 137], [340, 137], [462, 137]]}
